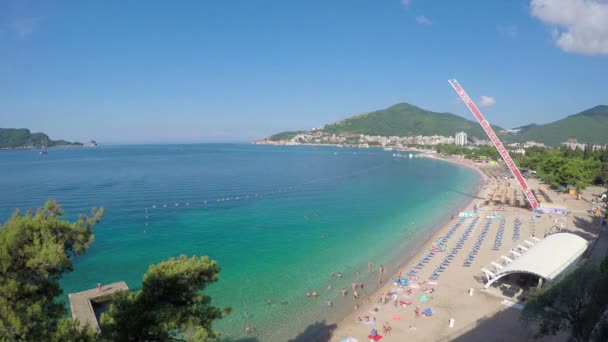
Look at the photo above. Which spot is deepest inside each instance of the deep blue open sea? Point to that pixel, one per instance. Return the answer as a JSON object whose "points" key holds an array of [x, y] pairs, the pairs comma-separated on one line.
{"points": [[278, 219]]}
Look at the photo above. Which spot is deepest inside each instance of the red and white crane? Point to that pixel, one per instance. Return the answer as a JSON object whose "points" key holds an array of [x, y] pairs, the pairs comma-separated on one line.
{"points": [[497, 143]]}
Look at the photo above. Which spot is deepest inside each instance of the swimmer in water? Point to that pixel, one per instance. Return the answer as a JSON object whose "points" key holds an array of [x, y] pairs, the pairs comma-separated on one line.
{"points": [[329, 287], [283, 302], [339, 275], [329, 303], [315, 294], [308, 294], [248, 330], [269, 301]]}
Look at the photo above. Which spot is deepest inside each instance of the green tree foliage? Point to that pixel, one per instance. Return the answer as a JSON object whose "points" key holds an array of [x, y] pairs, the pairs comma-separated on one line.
{"points": [[404, 119], [575, 303], [170, 303], [35, 250], [285, 135], [565, 166], [478, 152]]}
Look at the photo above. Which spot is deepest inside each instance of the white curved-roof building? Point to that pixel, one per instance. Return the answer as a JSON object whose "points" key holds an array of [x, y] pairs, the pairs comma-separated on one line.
{"points": [[546, 259]]}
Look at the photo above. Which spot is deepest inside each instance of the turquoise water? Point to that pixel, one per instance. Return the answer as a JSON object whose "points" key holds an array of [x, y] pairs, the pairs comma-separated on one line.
{"points": [[278, 220]]}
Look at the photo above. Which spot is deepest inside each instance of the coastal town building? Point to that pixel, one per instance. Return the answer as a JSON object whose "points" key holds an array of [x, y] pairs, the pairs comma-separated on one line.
{"points": [[573, 144], [460, 139]]}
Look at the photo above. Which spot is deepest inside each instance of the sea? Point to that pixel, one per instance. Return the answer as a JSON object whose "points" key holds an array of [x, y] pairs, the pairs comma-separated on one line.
{"points": [[279, 220]]}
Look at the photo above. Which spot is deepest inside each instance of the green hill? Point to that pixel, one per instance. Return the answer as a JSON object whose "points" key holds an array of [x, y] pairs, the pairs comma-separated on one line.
{"points": [[589, 126], [399, 120], [23, 138], [406, 120]]}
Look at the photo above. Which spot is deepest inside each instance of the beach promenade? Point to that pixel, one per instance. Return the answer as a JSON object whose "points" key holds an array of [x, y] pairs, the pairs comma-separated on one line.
{"points": [[461, 309]]}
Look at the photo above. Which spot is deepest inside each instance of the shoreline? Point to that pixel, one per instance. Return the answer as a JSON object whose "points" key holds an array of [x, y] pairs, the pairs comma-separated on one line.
{"points": [[462, 309], [344, 326]]}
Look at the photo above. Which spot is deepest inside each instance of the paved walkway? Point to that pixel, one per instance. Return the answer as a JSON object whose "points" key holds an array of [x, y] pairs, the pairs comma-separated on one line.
{"points": [[82, 308]]}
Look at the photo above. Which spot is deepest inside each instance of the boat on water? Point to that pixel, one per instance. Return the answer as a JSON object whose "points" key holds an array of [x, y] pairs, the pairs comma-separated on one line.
{"points": [[44, 151]]}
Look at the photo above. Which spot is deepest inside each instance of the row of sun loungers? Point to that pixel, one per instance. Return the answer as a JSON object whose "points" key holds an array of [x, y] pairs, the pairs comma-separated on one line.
{"points": [[452, 254], [532, 226], [484, 231], [516, 229], [440, 243], [499, 234]]}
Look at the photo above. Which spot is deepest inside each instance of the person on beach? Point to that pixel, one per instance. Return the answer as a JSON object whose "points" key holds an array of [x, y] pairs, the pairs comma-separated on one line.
{"points": [[99, 286], [417, 311], [356, 308], [355, 294], [353, 285], [369, 265], [329, 303], [344, 292]]}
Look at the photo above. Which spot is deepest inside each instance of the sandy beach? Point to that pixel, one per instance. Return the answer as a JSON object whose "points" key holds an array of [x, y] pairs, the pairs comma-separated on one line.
{"points": [[457, 296]]}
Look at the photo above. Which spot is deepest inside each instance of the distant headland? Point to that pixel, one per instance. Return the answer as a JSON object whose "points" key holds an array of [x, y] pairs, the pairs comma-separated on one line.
{"points": [[22, 138]]}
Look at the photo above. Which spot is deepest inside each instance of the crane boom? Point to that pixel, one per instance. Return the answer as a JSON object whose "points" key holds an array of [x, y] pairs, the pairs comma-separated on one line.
{"points": [[497, 143]]}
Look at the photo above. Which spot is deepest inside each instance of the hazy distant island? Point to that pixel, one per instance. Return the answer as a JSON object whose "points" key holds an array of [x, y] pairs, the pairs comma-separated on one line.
{"points": [[404, 124], [22, 138]]}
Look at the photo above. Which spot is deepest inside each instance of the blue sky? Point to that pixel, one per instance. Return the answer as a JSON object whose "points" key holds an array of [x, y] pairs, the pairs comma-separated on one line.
{"points": [[189, 71]]}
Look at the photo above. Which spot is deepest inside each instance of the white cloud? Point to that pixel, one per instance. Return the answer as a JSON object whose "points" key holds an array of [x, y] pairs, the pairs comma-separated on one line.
{"points": [[423, 20], [508, 31], [406, 3], [25, 27], [487, 101], [579, 26]]}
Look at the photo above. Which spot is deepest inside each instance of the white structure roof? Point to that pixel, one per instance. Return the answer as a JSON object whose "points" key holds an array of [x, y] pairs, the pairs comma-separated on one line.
{"points": [[547, 258]]}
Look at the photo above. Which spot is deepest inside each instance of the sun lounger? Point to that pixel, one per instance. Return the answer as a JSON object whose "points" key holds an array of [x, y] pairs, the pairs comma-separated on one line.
{"points": [[497, 265], [507, 259]]}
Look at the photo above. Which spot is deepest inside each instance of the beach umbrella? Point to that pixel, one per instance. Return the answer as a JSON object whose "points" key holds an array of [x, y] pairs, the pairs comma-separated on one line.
{"points": [[424, 298], [427, 312]]}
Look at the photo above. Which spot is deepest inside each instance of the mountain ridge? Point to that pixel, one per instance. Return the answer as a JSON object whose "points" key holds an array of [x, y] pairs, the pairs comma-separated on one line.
{"points": [[404, 119]]}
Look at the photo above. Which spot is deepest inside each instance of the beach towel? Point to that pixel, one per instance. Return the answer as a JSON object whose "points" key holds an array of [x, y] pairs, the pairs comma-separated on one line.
{"points": [[424, 298], [395, 317], [375, 338], [403, 302]]}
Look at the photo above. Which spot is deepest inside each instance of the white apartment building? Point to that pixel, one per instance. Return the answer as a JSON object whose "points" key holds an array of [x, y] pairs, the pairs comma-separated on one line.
{"points": [[460, 139]]}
